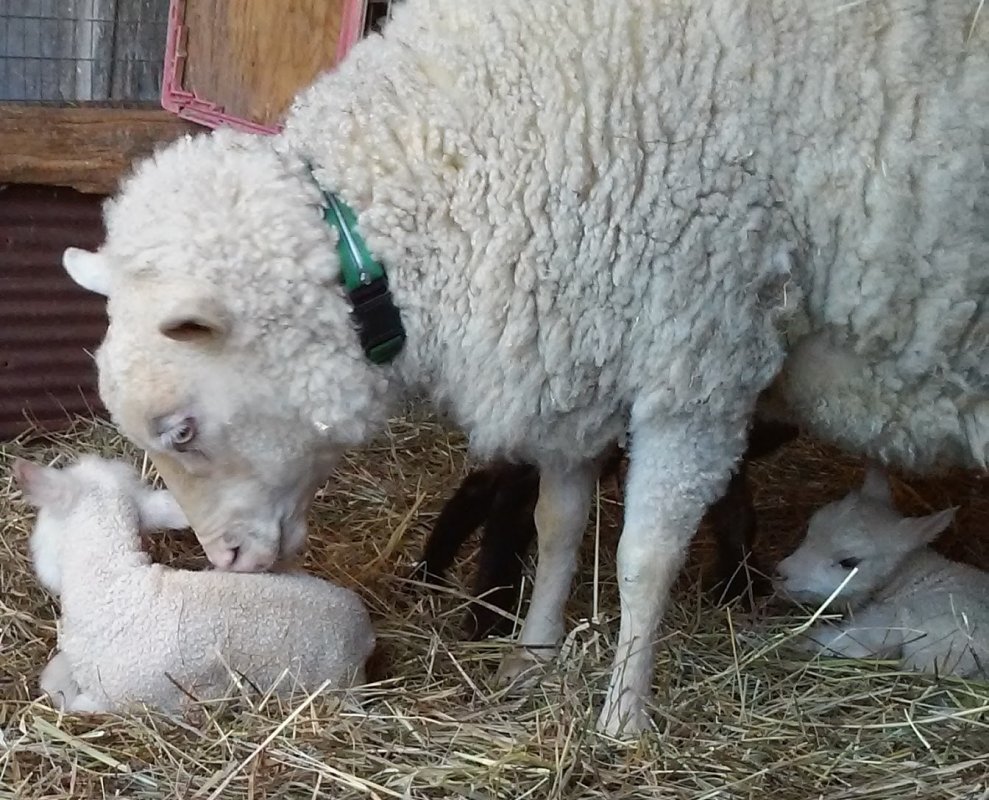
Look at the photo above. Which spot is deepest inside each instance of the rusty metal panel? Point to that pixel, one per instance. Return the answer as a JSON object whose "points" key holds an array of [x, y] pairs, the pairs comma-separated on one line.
{"points": [[49, 327]]}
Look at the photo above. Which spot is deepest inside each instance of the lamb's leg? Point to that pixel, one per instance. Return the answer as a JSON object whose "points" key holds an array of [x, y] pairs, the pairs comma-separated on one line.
{"points": [[675, 472], [873, 633], [508, 534], [734, 521], [57, 682], [561, 518], [85, 704], [946, 643], [462, 514]]}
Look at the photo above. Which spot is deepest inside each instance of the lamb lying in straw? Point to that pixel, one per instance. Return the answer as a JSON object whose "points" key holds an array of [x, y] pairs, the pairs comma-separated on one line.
{"points": [[904, 600], [133, 633]]}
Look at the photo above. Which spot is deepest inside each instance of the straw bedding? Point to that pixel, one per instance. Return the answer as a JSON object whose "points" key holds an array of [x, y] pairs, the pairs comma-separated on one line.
{"points": [[739, 713]]}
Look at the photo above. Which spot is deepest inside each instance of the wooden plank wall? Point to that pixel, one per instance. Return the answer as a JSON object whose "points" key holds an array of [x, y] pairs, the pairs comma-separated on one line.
{"points": [[82, 50], [252, 56]]}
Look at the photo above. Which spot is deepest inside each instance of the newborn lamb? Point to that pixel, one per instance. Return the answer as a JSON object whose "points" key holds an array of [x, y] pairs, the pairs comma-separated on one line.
{"points": [[136, 633], [904, 600]]}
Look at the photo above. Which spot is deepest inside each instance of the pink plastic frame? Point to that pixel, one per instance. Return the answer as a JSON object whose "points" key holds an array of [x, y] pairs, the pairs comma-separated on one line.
{"points": [[187, 105]]}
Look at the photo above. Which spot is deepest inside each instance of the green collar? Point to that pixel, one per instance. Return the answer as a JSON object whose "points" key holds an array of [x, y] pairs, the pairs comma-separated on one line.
{"points": [[379, 324]]}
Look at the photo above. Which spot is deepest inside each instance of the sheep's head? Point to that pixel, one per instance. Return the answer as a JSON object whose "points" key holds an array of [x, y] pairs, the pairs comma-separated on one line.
{"points": [[230, 355], [862, 532], [56, 494]]}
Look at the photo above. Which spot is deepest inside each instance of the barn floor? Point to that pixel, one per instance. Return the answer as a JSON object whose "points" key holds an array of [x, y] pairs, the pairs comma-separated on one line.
{"points": [[738, 713]]}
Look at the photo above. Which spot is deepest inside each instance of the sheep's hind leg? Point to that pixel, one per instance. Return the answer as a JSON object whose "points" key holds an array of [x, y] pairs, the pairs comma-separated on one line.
{"points": [[561, 517], [676, 470]]}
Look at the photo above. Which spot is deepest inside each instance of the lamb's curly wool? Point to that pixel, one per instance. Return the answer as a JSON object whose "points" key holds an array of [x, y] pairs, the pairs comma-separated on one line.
{"points": [[595, 217], [132, 633]]}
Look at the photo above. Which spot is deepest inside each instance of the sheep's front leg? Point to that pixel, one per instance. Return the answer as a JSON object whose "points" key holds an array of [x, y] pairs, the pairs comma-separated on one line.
{"points": [[675, 473], [561, 517]]}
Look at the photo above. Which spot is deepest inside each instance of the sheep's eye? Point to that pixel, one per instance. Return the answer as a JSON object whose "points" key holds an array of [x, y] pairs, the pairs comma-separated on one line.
{"points": [[850, 563]]}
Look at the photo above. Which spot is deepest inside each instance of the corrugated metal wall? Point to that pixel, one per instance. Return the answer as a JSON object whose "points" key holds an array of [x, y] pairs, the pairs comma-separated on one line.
{"points": [[49, 327]]}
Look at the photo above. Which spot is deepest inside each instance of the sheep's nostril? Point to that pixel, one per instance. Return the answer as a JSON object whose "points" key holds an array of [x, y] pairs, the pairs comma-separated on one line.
{"points": [[248, 560], [225, 558]]}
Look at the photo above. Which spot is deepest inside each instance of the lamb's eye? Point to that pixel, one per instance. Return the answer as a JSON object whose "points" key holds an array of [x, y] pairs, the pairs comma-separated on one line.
{"points": [[182, 434], [849, 563]]}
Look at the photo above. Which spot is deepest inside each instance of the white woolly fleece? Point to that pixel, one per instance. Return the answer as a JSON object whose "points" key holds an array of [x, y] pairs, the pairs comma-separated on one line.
{"points": [[599, 205], [593, 188], [132, 632]]}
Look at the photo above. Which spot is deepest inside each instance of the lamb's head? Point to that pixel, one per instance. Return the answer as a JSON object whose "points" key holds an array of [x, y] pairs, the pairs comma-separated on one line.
{"points": [[230, 355], [862, 532], [58, 493]]}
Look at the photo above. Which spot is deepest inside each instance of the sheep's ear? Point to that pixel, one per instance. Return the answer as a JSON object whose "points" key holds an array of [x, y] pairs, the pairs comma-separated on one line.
{"points": [[876, 486], [196, 319], [924, 530], [89, 270], [41, 486], [161, 511]]}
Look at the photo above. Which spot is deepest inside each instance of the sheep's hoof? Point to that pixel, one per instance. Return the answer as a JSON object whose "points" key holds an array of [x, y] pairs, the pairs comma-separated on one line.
{"points": [[522, 668]]}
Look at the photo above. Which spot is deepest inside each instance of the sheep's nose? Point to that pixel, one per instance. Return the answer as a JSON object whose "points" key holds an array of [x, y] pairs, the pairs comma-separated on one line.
{"points": [[223, 558], [248, 560]]}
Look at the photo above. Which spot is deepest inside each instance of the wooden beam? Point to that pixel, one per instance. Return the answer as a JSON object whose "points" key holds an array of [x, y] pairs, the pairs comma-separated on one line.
{"points": [[86, 147]]}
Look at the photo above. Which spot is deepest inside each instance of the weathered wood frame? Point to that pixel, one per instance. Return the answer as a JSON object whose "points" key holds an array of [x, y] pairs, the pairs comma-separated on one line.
{"points": [[88, 147]]}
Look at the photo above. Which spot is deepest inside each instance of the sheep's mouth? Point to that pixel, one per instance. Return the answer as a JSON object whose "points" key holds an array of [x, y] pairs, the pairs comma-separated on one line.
{"points": [[248, 556], [239, 559], [257, 553]]}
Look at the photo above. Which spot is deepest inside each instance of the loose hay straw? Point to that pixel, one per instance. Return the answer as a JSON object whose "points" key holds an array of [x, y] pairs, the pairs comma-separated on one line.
{"points": [[738, 713]]}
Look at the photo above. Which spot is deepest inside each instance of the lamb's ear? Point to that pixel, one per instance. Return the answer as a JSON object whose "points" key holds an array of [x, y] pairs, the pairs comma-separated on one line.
{"points": [[89, 270], [161, 511], [41, 486], [924, 530], [196, 319], [876, 486]]}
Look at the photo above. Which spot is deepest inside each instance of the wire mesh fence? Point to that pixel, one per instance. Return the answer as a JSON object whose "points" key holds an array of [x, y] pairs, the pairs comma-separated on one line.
{"points": [[82, 50]]}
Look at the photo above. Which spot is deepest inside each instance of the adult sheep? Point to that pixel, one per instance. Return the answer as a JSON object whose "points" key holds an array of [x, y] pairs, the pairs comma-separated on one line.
{"points": [[596, 218]]}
